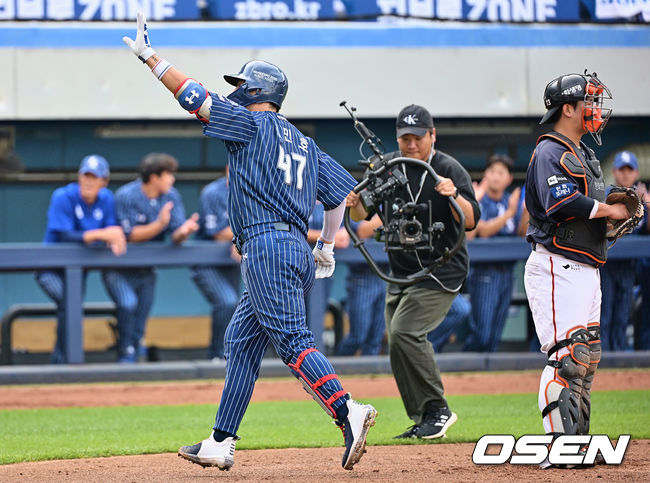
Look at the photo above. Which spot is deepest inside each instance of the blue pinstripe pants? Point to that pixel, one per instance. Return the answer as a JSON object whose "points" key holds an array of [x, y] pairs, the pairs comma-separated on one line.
{"points": [[642, 335], [617, 287], [52, 284], [490, 287], [278, 271], [132, 291], [217, 288], [459, 311], [366, 300]]}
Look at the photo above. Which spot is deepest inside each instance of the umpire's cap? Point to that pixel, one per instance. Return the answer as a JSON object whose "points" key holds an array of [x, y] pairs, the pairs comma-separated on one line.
{"points": [[262, 82], [563, 90], [95, 164]]}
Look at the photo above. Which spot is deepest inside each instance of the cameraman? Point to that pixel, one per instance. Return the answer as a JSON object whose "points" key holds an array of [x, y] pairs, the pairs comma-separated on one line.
{"points": [[415, 310]]}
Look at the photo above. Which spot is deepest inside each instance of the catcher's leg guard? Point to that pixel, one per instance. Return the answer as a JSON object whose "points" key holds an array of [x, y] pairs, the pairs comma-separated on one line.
{"points": [[585, 400], [325, 397], [564, 392]]}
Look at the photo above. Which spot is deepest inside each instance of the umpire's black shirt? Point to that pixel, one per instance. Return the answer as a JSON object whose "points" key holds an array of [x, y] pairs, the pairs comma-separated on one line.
{"points": [[453, 273]]}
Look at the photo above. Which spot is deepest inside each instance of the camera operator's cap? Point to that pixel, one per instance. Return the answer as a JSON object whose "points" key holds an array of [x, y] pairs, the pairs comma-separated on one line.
{"points": [[626, 158], [95, 164], [414, 119]]}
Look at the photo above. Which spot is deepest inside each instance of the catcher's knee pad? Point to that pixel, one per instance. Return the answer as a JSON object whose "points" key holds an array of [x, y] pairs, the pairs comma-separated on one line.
{"points": [[564, 392], [314, 388], [594, 352]]}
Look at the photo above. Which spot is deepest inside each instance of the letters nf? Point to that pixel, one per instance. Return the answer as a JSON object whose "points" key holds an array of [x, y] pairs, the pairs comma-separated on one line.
{"points": [[532, 449]]}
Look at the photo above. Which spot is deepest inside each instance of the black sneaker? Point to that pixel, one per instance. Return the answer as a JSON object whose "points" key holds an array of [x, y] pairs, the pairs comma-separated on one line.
{"points": [[436, 424], [409, 433]]}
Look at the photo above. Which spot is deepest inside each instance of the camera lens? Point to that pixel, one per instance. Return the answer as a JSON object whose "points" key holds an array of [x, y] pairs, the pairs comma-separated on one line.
{"points": [[411, 229]]}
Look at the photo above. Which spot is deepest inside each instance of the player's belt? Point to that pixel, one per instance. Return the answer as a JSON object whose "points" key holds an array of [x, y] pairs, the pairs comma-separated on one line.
{"points": [[254, 230], [282, 226]]}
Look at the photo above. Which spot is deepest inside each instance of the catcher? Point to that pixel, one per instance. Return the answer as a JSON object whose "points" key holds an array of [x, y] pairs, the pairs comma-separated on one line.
{"points": [[565, 195]]}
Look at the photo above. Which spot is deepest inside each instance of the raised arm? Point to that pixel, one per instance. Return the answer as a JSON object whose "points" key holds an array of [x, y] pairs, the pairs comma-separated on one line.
{"points": [[189, 93]]}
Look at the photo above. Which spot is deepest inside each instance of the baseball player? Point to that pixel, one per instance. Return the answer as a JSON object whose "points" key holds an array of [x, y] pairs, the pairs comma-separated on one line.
{"points": [[216, 284], [564, 197], [81, 212], [276, 174], [147, 208]]}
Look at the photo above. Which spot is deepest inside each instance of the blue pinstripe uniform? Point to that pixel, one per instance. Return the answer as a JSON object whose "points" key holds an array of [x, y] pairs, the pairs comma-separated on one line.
{"points": [[459, 311], [132, 290], [366, 300], [276, 174], [216, 284], [68, 217], [617, 287], [490, 286]]}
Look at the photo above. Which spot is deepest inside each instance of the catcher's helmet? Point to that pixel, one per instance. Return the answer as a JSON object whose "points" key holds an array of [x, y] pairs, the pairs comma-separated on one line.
{"points": [[263, 82], [577, 87]]}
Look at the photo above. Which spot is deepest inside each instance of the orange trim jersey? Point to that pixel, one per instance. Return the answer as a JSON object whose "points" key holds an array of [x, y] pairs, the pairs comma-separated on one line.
{"points": [[563, 181]]}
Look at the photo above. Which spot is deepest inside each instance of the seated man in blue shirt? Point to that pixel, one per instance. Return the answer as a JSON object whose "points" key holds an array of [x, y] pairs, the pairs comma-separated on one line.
{"points": [[80, 212], [148, 209], [490, 284]]}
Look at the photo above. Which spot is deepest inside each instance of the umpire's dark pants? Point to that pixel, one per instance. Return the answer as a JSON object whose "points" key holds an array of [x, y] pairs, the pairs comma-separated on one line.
{"points": [[411, 313]]}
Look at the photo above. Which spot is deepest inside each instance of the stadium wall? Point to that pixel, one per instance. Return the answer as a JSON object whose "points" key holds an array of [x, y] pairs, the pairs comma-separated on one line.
{"points": [[83, 71]]}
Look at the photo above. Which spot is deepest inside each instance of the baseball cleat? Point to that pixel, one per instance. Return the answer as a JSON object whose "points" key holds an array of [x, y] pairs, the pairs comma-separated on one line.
{"points": [[436, 424], [211, 453], [361, 417]]}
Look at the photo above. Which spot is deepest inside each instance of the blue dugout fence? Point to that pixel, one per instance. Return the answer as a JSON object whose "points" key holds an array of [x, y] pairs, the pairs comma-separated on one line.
{"points": [[74, 259]]}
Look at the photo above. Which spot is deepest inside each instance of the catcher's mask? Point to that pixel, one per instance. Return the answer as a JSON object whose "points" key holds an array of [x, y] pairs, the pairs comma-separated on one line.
{"points": [[577, 87], [262, 82]]}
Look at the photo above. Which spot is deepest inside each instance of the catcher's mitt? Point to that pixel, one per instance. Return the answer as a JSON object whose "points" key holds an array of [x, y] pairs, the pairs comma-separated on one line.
{"points": [[632, 201]]}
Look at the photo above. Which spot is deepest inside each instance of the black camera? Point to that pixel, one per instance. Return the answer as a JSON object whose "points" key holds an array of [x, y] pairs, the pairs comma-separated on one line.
{"points": [[404, 231], [379, 189]]}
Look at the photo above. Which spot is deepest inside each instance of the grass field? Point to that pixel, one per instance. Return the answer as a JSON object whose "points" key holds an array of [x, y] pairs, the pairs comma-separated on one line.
{"points": [[44, 434]]}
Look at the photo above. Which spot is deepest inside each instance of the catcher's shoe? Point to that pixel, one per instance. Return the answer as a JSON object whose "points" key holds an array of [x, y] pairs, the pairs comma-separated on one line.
{"points": [[210, 453], [436, 424], [361, 417]]}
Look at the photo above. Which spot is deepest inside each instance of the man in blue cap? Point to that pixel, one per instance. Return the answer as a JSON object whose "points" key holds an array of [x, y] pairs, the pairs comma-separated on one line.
{"points": [[616, 277], [80, 212]]}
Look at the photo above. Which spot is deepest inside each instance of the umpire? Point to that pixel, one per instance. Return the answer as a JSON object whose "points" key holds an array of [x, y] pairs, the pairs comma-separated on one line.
{"points": [[414, 311]]}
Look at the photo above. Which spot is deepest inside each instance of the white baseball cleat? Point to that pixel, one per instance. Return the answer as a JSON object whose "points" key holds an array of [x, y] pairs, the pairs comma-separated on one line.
{"points": [[361, 417], [211, 453]]}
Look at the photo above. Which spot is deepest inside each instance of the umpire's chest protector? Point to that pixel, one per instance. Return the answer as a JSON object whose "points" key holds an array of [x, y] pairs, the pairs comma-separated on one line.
{"points": [[585, 236]]}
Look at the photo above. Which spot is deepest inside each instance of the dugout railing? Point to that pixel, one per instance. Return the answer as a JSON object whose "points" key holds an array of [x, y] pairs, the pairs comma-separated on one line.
{"points": [[73, 260]]}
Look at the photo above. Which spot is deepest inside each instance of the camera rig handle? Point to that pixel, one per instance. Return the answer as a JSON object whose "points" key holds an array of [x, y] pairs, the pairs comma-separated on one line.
{"points": [[438, 262]]}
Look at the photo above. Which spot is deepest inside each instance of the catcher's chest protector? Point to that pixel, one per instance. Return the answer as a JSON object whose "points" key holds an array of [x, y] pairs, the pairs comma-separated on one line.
{"points": [[582, 235]]}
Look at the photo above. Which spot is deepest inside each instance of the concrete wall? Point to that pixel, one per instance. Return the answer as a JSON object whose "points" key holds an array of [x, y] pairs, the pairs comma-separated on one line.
{"points": [[84, 71]]}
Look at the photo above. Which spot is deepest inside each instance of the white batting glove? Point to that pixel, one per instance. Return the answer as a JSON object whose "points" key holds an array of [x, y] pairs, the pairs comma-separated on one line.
{"points": [[324, 257], [140, 46]]}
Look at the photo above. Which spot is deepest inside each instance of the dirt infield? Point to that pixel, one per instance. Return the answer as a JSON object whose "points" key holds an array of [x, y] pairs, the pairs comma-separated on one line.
{"points": [[88, 395], [426, 462]]}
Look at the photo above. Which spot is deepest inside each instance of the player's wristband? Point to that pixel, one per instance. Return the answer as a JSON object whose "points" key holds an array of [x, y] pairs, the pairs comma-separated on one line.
{"points": [[161, 68]]}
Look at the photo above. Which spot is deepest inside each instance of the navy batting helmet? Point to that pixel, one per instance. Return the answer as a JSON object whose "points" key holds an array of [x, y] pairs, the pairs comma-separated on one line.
{"points": [[262, 82]]}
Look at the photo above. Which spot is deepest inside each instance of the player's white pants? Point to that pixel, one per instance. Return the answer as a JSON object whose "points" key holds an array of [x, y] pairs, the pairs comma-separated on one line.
{"points": [[562, 295]]}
